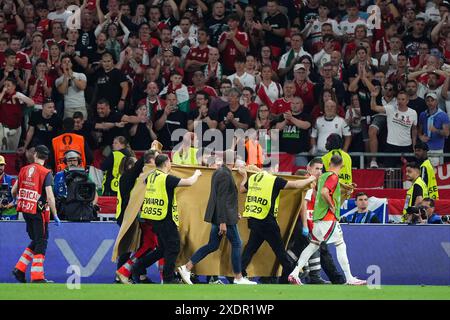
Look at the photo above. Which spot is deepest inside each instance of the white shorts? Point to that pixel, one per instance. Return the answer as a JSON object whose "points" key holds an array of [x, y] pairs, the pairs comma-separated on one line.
{"points": [[327, 231]]}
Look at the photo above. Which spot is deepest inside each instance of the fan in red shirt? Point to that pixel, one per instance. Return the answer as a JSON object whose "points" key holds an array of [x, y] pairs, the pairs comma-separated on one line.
{"points": [[22, 59], [232, 44], [199, 81], [39, 84], [58, 36], [43, 25], [283, 104], [304, 88], [37, 50], [147, 42], [197, 57]]}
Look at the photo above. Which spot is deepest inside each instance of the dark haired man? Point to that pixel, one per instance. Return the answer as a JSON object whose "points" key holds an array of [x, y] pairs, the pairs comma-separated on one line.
{"points": [[35, 199]]}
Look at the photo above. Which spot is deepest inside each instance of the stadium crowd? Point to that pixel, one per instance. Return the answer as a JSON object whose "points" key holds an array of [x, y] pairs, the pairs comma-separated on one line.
{"points": [[373, 72]]}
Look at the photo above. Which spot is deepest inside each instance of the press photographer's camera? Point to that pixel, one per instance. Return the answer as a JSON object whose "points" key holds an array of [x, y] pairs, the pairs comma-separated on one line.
{"points": [[4, 194], [417, 211]]}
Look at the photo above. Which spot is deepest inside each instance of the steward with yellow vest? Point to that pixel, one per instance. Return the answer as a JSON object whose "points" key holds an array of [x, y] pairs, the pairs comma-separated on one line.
{"points": [[186, 157], [426, 169], [160, 206], [261, 209], [111, 165], [418, 191], [130, 169], [334, 146]]}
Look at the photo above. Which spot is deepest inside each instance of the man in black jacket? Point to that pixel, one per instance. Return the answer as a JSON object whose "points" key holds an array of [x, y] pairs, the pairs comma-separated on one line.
{"points": [[222, 213]]}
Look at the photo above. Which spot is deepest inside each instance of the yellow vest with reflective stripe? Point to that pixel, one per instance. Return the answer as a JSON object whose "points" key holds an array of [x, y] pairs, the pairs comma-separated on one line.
{"points": [[409, 193], [117, 159], [191, 158], [345, 174], [156, 199], [259, 196], [432, 184], [119, 202]]}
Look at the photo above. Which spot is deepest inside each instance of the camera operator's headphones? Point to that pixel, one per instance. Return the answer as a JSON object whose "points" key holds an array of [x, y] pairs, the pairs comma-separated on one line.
{"points": [[70, 154]]}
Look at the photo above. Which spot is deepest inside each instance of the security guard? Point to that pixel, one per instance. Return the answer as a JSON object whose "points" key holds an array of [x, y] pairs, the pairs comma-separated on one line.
{"points": [[187, 154], [426, 169], [111, 166], [160, 206], [418, 191], [261, 207], [34, 192], [334, 146]]}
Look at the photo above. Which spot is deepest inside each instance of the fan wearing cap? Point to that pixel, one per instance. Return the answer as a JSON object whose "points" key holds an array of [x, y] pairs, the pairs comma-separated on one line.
{"points": [[7, 202], [433, 126], [35, 197]]}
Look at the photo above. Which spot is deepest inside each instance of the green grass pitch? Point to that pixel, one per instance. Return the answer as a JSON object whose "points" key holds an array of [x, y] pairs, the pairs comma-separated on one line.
{"points": [[219, 292]]}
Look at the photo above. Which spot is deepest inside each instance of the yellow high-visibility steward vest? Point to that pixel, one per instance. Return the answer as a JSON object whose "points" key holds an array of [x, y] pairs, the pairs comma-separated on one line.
{"points": [[259, 196], [345, 174]]}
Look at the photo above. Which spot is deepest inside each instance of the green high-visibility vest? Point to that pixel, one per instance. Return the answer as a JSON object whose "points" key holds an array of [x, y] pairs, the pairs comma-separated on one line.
{"points": [[321, 206], [156, 199], [259, 196]]}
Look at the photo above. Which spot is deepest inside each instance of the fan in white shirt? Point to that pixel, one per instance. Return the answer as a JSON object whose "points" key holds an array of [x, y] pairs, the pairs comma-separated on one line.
{"points": [[242, 79], [327, 124]]}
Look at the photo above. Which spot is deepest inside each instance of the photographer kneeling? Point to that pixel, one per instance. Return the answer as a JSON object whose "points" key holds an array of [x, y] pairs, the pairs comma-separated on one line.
{"points": [[76, 196], [432, 217]]}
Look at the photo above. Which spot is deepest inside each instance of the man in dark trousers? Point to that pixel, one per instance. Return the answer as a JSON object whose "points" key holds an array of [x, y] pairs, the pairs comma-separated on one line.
{"points": [[34, 192], [222, 213], [261, 207], [160, 206]]}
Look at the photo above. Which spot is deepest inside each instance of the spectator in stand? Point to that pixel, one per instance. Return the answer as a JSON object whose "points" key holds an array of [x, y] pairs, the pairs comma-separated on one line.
{"points": [[177, 87], [401, 126], [60, 14], [362, 214], [232, 44], [313, 30], [199, 84], [241, 78], [11, 69], [217, 23], [293, 129], [11, 114], [319, 110], [141, 134], [304, 88], [324, 55], [201, 119], [388, 61], [170, 123], [292, 58], [415, 102], [72, 86], [353, 119], [268, 91], [327, 124], [43, 126], [213, 69], [39, 85], [109, 124], [433, 127], [248, 101], [274, 26], [413, 39], [111, 84], [186, 38], [283, 104], [197, 57], [233, 117], [432, 84], [329, 82], [85, 128]]}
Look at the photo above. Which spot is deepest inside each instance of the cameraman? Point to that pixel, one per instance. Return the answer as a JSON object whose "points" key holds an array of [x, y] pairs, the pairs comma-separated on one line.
{"points": [[7, 203], [73, 160], [431, 217]]}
